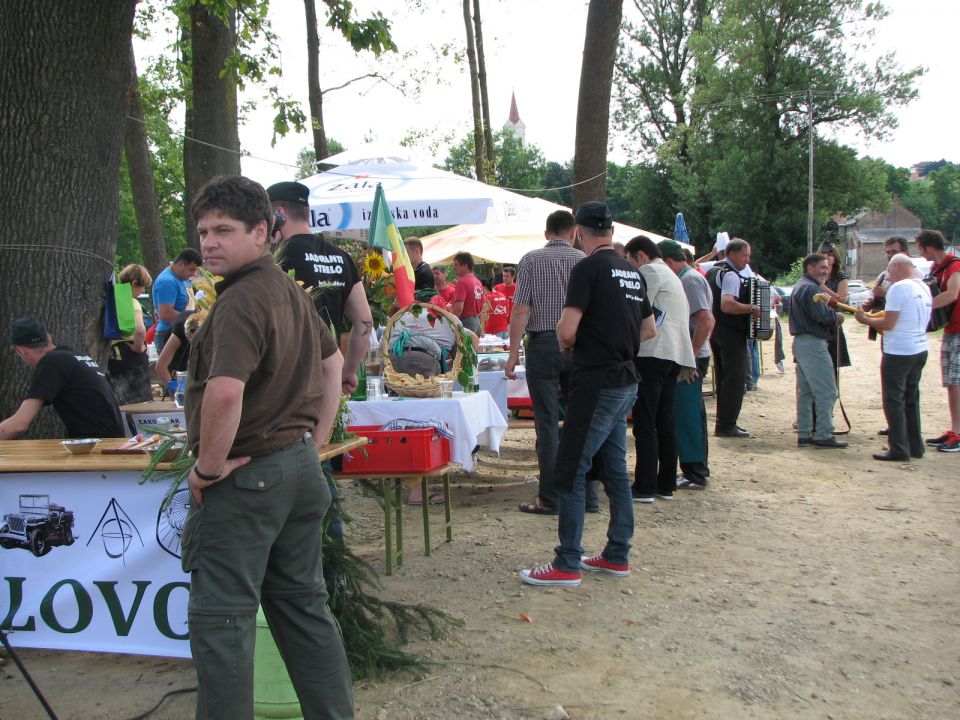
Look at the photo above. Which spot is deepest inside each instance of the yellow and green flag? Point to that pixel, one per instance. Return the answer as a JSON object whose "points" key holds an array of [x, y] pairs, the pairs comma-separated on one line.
{"points": [[384, 234]]}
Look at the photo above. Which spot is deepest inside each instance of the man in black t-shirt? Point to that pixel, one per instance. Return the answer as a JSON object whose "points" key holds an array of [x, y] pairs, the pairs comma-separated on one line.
{"points": [[422, 273], [74, 384], [605, 316], [318, 263]]}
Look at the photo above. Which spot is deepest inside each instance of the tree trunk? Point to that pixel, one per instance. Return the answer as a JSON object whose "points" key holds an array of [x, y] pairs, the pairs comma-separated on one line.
{"points": [[213, 108], [189, 158], [63, 93], [593, 105], [478, 153], [313, 83], [137, 151], [484, 100]]}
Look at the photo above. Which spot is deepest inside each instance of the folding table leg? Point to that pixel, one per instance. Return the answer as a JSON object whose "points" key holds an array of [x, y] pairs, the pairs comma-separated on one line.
{"points": [[387, 529], [398, 504], [448, 524], [426, 516]]}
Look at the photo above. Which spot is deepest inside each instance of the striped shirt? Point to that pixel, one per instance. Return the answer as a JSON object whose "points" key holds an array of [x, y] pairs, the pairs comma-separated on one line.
{"points": [[542, 278]]}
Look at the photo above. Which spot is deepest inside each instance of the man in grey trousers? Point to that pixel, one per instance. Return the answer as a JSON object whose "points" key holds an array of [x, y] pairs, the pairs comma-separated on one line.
{"points": [[542, 278], [811, 323]]}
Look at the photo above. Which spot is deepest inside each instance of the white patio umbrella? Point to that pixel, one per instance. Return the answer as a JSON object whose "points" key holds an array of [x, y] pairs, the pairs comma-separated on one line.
{"points": [[341, 198]]}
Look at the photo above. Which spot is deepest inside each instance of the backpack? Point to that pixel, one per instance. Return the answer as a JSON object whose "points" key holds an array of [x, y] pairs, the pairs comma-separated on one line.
{"points": [[939, 317]]}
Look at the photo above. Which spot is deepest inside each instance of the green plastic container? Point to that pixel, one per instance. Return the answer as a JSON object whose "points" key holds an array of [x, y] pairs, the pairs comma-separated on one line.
{"points": [[273, 693]]}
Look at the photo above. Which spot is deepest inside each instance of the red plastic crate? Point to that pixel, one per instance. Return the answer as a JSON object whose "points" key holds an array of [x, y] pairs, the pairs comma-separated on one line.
{"points": [[400, 451]]}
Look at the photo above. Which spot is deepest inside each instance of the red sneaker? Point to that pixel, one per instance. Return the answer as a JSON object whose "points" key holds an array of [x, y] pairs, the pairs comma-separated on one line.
{"points": [[549, 575], [597, 563], [951, 445]]}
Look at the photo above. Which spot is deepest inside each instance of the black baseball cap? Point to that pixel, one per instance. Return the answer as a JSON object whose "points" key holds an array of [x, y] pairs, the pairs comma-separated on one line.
{"points": [[27, 331], [291, 192], [594, 215]]}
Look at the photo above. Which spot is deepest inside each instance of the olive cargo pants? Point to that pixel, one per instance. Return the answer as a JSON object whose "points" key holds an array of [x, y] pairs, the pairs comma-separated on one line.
{"points": [[256, 539]]}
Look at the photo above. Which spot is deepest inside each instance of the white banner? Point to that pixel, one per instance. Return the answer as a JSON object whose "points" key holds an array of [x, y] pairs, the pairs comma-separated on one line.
{"points": [[112, 582]]}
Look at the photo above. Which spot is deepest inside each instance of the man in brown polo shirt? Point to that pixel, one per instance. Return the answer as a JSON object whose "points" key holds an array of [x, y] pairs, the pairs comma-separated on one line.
{"points": [[253, 534]]}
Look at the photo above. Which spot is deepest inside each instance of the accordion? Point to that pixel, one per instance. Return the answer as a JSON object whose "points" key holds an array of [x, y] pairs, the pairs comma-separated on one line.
{"points": [[755, 291]]}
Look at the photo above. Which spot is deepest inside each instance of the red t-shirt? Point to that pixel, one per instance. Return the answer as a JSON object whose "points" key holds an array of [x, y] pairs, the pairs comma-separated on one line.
{"points": [[469, 290], [944, 275], [506, 291], [498, 320], [447, 294]]}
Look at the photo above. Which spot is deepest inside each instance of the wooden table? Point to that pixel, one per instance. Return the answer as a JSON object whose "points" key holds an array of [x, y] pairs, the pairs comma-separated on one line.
{"points": [[114, 583], [49, 456]]}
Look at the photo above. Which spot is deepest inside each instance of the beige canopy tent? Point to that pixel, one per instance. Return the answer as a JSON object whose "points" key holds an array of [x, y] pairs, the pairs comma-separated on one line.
{"points": [[506, 242]]}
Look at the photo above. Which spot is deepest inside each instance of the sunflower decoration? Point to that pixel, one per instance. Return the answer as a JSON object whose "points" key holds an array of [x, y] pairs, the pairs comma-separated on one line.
{"points": [[378, 285], [373, 265]]}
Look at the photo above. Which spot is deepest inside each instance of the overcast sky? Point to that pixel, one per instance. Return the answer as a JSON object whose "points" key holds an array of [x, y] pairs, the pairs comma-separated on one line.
{"points": [[534, 48]]}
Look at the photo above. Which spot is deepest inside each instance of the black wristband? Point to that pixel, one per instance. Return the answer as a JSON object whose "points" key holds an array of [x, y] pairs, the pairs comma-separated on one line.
{"points": [[208, 478]]}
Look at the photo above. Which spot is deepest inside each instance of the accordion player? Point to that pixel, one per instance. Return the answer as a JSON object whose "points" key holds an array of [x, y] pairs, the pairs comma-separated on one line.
{"points": [[754, 291]]}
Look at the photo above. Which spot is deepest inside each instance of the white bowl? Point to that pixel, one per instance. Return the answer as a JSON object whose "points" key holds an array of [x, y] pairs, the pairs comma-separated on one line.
{"points": [[80, 447]]}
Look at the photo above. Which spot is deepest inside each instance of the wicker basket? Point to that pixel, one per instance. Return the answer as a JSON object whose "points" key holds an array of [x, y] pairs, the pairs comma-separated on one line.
{"points": [[402, 384]]}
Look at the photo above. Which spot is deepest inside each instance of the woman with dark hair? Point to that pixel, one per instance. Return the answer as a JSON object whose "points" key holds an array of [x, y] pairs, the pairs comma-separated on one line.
{"points": [[836, 287]]}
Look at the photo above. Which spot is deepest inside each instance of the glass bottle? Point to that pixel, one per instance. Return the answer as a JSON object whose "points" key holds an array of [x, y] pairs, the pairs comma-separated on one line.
{"points": [[361, 392]]}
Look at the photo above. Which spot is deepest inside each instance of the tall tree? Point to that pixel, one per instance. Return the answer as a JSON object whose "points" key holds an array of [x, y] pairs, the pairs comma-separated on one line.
{"points": [[140, 172], [482, 82], [593, 105], [758, 60], [371, 34], [213, 145], [656, 74], [313, 82], [63, 93], [479, 154]]}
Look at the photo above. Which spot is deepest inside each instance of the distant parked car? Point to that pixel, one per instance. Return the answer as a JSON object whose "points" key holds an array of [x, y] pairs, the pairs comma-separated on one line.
{"points": [[859, 293], [783, 294]]}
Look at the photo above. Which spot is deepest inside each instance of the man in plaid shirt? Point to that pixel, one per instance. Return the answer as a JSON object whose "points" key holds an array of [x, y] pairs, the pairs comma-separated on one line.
{"points": [[542, 278]]}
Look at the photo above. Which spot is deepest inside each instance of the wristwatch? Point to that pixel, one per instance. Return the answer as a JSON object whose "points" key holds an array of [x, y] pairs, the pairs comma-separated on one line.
{"points": [[207, 478]]}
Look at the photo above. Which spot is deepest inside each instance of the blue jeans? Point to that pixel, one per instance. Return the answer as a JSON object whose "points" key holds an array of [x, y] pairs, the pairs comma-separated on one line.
{"points": [[815, 384], [753, 363], [607, 437]]}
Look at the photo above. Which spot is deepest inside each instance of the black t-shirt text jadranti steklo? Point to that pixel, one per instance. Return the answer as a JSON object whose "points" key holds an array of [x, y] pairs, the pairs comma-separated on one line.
{"points": [[79, 391], [318, 263], [613, 297]]}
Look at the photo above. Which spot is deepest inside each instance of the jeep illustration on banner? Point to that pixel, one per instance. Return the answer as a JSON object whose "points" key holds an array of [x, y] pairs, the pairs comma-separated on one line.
{"points": [[38, 527]]}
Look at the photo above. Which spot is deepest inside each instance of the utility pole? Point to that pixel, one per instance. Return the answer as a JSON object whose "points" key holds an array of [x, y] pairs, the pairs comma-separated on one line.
{"points": [[810, 172]]}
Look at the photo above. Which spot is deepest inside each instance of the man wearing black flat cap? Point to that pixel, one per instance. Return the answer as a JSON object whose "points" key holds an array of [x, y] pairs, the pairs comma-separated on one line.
{"points": [[605, 316], [315, 262], [74, 384]]}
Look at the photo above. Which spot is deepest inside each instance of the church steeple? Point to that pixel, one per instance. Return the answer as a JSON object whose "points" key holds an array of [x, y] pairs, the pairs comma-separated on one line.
{"points": [[514, 125]]}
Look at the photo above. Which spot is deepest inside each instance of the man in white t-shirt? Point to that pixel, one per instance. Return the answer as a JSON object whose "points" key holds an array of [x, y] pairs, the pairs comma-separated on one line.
{"points": [[904, 327]]}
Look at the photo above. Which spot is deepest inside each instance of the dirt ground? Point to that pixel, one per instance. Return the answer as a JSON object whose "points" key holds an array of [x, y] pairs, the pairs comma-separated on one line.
{"points": [[803, 583]]}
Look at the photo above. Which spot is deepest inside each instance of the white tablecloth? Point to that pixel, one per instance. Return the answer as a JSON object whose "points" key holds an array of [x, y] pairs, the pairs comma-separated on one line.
{"points": [[495, 383], [474, 419]]}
